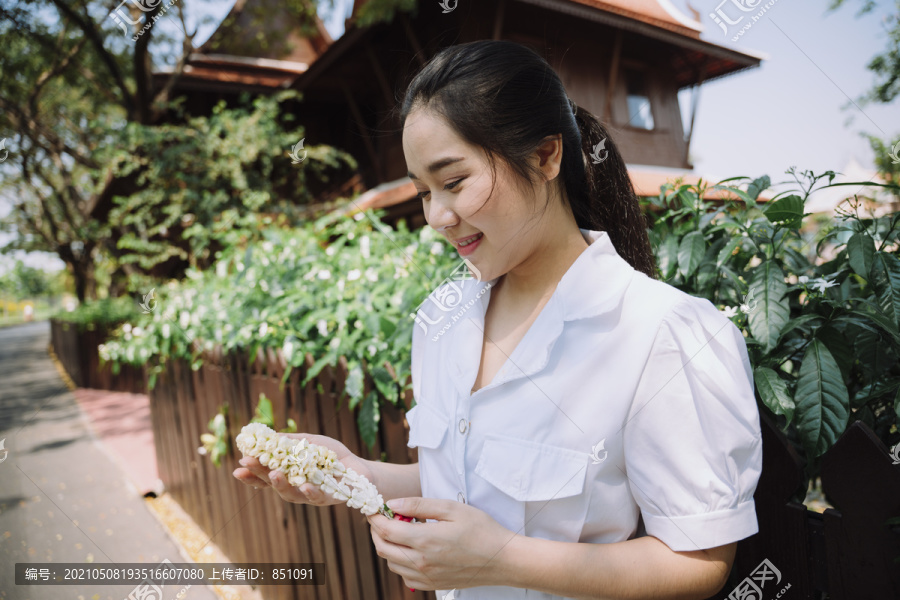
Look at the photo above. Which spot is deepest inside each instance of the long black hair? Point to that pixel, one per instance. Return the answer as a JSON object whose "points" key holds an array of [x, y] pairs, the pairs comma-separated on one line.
{"points": [[505, 98]]}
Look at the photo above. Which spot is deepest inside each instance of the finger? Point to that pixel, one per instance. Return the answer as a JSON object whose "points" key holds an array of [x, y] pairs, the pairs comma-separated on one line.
{"points": [[246, 477], [285, 489], [254, 466], [315, 494]]}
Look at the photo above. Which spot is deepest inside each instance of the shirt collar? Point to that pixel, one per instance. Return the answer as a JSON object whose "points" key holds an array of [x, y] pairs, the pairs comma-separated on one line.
{"points": [[595, 283]]}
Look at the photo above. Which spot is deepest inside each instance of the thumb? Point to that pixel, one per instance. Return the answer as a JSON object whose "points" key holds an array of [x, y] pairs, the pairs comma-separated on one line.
{"points": [[422, 508]]}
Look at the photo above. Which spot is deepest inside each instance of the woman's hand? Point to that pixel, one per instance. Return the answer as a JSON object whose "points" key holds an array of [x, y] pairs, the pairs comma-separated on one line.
{"points": [[454, 553], [257, 476]]}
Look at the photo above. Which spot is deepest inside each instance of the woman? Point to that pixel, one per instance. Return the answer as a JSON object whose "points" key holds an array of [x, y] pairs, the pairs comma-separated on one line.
{"points": [[583, 430]]}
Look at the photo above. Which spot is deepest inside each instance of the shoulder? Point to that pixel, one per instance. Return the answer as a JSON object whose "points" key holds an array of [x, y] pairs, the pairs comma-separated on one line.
{"points": [[666, 304]]}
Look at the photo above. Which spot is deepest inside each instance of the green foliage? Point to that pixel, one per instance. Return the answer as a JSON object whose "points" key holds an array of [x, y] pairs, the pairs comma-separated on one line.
{"points": [[820, 312], [378, 11], [886, 65], [24, 282], [106, 313], [216, 444], [207, 180], [266, 415], [336, 287]]}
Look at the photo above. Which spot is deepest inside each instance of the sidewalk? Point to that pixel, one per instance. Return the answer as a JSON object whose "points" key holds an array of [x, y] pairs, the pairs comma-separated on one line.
{"points": [[64, 497], [121, 422]]}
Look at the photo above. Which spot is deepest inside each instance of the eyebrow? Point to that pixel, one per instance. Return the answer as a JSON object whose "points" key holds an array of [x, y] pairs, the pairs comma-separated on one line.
{"points": [[437, 165]]}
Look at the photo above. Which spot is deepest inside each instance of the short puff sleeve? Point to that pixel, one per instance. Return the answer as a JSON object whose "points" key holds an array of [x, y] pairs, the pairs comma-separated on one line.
{"points": [[692, 442]]}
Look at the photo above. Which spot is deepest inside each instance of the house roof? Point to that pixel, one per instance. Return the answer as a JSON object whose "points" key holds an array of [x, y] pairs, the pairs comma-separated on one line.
{"points": [[646, 180], [258, 47], [659, 13]]}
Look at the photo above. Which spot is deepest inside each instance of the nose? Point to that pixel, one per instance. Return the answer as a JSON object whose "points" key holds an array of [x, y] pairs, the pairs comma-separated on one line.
{"points": [[440, 215]]}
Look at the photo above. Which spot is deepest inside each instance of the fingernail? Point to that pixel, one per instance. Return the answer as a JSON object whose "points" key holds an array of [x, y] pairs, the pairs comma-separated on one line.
{"points": [[395, 505]]}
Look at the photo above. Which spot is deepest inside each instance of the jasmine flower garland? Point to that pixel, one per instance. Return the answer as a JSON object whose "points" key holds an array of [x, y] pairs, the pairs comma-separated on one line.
{"points": [[303, 462]]}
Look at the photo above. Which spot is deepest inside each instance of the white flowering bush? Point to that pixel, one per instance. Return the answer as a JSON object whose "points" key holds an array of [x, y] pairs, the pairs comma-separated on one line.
{"points": [[340, 286], [303, 462]]}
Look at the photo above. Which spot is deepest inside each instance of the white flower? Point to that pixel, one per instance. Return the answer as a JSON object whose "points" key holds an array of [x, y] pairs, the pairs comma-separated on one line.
{"points": [[729, 311], [364, 246], [303, 462], [324, 274], [263, 329], [437, 248], [823, 284], [166, 330], [184, 319], [371, 275], [353, 275], [330, 250], [322, 327], [126, 327], [803, 279]]}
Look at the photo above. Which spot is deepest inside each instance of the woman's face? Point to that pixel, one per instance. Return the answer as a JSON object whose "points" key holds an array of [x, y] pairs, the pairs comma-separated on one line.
{"points": [[454, 181]]}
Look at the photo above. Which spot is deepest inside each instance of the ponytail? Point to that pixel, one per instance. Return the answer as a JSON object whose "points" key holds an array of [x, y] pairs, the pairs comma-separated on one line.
{"points": [[603, 197]]}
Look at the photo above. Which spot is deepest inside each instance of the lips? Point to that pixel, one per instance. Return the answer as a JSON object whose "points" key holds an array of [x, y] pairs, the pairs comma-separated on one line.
{"points": [[463, 242]]}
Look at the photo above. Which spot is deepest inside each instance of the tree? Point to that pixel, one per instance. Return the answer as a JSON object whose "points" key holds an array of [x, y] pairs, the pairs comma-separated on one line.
{"points": [[885, 66], [80, 109], [23, 282]]}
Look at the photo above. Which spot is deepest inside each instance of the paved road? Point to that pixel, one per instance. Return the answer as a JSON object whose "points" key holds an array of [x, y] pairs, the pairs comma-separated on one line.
{"points": [[61, 497]]}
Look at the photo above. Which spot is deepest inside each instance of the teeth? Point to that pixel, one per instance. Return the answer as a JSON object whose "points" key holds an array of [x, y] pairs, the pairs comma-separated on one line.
{"points": [[474, 239]]}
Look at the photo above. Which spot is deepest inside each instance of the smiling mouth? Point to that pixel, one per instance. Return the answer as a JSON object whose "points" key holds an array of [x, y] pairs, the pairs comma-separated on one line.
{"points": [[470, 240]]}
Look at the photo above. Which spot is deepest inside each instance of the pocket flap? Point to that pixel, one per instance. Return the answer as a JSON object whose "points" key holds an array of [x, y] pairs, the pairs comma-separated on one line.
{"points": [[427, 427], [529, 470]]}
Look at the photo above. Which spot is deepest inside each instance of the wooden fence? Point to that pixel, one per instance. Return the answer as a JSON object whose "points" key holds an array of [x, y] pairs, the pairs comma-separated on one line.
{"points": [[257, 526], [848, 553], [78, 353]]}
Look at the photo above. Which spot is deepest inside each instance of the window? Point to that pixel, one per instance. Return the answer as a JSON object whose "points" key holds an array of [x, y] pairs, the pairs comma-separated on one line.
{"points": [[640, 114]]}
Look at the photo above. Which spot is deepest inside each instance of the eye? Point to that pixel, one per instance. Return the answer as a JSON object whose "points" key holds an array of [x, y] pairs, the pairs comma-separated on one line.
{"points": [[449, 186]]}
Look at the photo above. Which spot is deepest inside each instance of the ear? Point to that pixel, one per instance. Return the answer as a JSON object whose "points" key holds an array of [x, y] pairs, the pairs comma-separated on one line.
{"points": [[549, 156]]}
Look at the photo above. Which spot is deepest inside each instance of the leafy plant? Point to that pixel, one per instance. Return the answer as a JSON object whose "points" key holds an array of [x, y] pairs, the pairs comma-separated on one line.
{"points": [[108, 312], [820, 310], [335, 287], [216, 444], [266, 416]]}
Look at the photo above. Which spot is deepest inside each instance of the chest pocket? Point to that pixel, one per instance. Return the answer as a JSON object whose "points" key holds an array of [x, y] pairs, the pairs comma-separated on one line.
{"points": [[427, 427], [546, 482]]}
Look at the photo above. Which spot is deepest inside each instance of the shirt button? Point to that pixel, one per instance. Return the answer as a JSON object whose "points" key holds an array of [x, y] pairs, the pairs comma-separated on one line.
{"points": [[461, 498], [463, 426]]}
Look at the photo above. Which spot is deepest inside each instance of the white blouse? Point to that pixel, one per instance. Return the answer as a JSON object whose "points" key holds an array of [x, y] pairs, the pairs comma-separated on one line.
{"points": [[627, 409]]}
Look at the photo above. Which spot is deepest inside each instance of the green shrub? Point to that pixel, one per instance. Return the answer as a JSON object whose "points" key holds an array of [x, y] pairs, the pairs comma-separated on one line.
{"points": [[820, 312], [101, 314]]}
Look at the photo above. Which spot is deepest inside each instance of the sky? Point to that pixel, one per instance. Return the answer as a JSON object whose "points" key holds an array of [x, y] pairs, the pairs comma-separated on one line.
{"points": [[797, 109]]}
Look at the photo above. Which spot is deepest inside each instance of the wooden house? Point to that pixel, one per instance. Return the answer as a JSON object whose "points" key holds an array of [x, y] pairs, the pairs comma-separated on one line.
{"points": [[623, 60]]}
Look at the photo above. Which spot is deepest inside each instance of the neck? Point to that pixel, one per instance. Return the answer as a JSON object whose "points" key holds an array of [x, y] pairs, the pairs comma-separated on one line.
{"points": [[536, 277]]}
